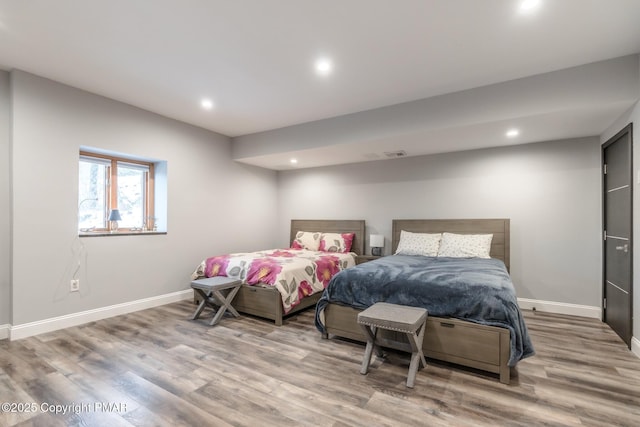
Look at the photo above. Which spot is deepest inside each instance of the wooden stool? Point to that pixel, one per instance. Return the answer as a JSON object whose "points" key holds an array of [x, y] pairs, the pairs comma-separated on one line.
{"points": [[210, 292], [400, 318]]}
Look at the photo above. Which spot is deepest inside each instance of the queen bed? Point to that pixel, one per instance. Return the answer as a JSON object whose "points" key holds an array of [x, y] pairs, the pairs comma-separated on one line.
{"points": [[474, 319], [303, 271]]}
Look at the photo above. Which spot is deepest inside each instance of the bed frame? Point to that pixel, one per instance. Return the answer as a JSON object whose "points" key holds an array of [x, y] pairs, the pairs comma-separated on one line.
{"points": [[266, 302], [451, 340]]}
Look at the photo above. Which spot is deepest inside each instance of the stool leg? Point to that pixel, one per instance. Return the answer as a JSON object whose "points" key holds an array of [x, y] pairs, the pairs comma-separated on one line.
{"points": [[224, 304], [413, 368], [198, 311], [371, 343], [217, 316], [222, 307], [419, 341], [230, 296], [417, 356]]}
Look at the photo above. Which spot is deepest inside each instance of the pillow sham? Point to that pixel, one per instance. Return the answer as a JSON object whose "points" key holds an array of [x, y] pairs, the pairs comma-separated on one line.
{"points": [[424, 244], [465, 245], [336, 242], [309, 240]]}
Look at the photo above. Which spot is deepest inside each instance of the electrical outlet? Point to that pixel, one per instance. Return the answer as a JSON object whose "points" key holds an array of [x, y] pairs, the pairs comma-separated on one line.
{"points": [[74, 285]]}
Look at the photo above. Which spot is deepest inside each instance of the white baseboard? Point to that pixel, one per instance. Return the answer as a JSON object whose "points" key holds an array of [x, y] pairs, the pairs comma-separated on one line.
{"points": [[34, 328], [635, 346], [560, 308], [572, 310], [53, 324], [4, 332]]}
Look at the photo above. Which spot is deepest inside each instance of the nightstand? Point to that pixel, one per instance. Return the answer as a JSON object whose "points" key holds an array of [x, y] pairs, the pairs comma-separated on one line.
{"points": [[365, 258]]}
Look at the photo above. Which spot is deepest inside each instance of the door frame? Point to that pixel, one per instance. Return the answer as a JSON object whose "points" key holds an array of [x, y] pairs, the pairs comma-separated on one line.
{"points": [[627, 129]]}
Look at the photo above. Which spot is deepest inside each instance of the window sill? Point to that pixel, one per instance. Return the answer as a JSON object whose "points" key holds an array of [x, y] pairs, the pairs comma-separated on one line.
{"points": [[118, 233]]}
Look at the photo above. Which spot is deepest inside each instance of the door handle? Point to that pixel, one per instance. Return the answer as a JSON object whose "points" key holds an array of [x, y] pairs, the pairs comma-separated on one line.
{"points": [[624, 248]]}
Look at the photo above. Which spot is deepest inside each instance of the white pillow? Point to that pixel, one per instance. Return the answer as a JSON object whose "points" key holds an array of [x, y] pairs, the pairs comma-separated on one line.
{"points": [[465, 245], [418, 244]]}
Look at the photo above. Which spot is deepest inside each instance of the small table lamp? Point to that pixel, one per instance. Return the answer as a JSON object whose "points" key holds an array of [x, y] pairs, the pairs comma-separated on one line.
{"points": [[376, 241], [114, 217]]}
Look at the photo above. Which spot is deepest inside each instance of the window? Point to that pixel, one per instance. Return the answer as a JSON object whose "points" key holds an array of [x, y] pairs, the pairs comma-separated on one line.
{"points": [[107, 183]]}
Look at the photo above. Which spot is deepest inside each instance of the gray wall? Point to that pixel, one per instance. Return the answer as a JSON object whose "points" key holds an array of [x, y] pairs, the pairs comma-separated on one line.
{"points": [[5, 200], [214, 204], [551, 192]]}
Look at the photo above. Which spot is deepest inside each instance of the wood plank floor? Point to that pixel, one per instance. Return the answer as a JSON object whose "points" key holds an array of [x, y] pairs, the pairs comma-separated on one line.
{"points": [[157, 368]]}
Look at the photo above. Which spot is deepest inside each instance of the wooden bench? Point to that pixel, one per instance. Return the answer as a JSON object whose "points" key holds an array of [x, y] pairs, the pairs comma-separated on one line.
{"points": [[210, 291], [404, 319]]}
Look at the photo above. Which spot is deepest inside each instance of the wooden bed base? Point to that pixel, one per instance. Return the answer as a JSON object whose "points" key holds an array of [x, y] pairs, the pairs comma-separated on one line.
{"points": [[266, 301], [451, 340]]}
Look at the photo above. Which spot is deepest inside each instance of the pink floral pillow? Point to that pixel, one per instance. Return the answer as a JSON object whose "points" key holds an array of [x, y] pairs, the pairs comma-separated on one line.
{"points": [[309, 240], [336, 242]]}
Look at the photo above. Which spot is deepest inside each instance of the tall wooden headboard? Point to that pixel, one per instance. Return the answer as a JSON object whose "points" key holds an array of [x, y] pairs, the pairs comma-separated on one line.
{"points": [[355, 226], [500, 228]]}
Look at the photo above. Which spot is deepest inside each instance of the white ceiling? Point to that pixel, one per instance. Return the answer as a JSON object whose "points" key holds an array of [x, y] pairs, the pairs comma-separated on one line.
{"points": [[254, 58]]}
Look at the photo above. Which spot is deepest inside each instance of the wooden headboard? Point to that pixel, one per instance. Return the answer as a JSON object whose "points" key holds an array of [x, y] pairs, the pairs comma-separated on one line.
{"points": [[355, 226], [500, 228]]}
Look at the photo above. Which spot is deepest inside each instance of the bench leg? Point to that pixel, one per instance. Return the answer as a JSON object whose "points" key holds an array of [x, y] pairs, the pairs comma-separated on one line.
{"points": [[225, 304], [417, 356], [371, 333], [419, 340], [204, 297], [413, 369]]}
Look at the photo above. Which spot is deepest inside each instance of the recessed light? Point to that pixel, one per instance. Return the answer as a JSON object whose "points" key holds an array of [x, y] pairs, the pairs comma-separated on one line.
{"points": [[324, 66], [512, 133], [529, 5], [293, 161], [207, 104]]}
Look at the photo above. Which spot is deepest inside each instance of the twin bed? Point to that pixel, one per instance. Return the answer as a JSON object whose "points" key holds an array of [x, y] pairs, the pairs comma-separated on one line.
{"points": [[265, 300], [474, 319]]}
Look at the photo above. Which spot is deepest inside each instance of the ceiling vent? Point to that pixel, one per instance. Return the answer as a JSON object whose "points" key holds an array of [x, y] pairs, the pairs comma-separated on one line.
{"points": [[395, 154]]}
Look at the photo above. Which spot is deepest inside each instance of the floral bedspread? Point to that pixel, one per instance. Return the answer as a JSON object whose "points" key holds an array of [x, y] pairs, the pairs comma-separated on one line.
{"points": [[296, 273]]}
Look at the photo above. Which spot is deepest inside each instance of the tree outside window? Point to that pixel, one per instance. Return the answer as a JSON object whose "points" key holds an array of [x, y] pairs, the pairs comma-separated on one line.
{"points": [[107, 183]]}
